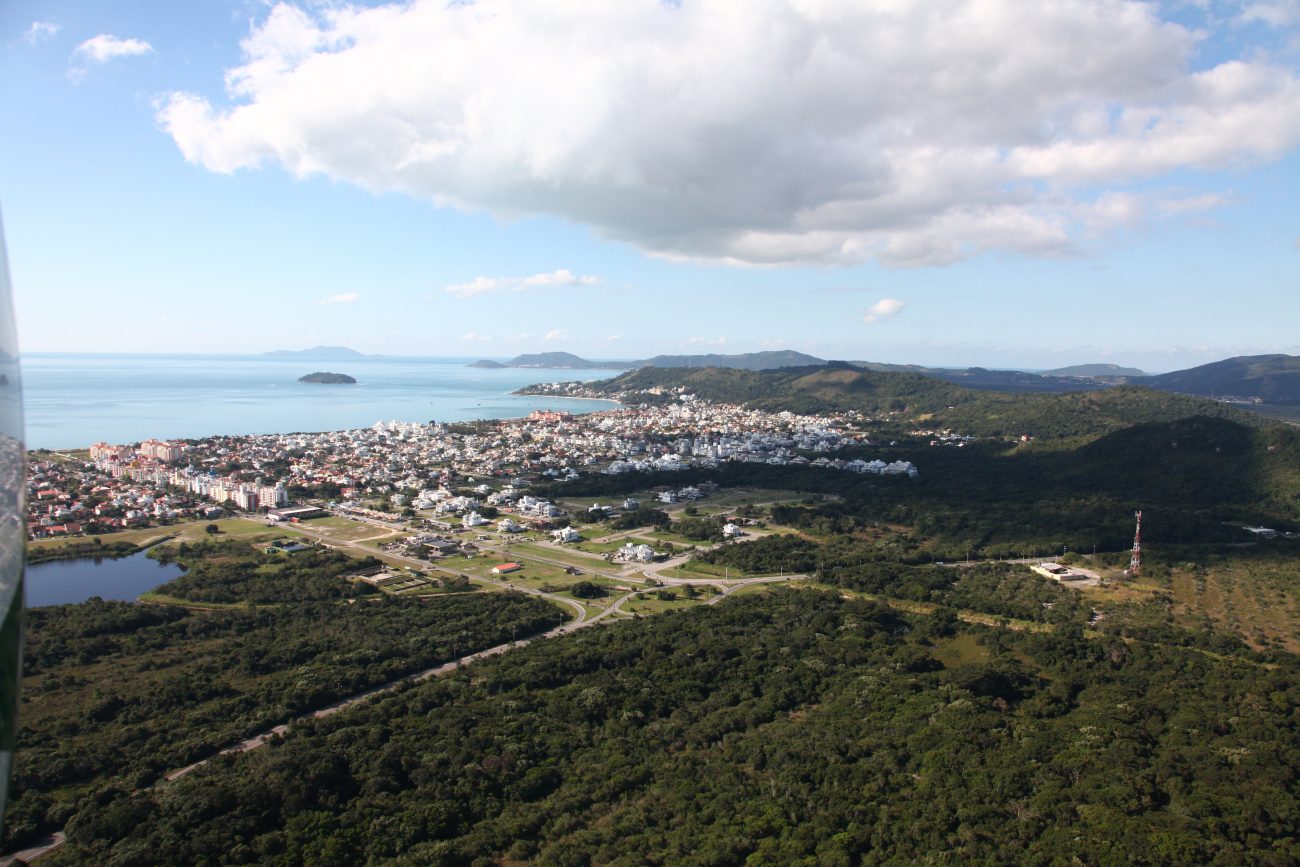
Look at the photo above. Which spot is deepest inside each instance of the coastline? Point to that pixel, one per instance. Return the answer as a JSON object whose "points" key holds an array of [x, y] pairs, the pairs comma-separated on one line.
{"points": [[616, 404], [71, 402], [571, 397]]}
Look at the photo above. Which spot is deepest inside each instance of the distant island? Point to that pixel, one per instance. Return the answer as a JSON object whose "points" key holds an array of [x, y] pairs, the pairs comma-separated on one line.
{"points": [[328, 378], [555, 361], [743, 361], [317, 353], [769, 360]]}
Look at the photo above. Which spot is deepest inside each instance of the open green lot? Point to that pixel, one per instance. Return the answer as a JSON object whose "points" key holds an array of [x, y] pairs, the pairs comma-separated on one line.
{"points": [[381, 541], [601, 547], [649, 603], [533, 574], [699, 569], [189, 531], [963, 649], [563, 555], [659, 537], [346, 529]]}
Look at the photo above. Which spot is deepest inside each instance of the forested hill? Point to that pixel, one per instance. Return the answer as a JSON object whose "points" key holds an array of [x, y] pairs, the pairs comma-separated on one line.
{"points": [[927, 400], [1273, 379]]}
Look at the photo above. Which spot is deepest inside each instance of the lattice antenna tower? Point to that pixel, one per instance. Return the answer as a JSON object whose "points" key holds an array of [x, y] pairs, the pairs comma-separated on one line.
{"points": [[1135, 564]]}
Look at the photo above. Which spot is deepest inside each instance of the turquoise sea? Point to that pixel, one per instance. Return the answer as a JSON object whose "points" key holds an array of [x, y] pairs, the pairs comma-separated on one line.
{"points": [[73, 400]]}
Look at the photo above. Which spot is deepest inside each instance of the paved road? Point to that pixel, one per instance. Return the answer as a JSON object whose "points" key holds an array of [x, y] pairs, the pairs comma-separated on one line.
{"points": [[46, 846]]}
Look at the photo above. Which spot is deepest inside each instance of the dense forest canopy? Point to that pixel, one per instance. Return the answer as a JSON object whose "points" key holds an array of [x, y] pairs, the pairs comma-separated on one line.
{"points": [[774, 730], [117, 693]]}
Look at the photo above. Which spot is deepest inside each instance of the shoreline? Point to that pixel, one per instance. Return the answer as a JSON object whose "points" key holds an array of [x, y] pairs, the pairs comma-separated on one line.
{"points": [[568, 397], [29, 447], [73, 401]]}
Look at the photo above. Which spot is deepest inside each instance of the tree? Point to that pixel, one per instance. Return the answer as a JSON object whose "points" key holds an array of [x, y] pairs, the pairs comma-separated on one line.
{"points": [[212, 529]]}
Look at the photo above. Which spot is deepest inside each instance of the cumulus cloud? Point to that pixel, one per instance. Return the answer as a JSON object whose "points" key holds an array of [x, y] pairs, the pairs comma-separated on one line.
{"points": [[104, 47], [1277, 13], [915, 132], [341, 298], [556, 336], [1176, 205], [885, 308], [707, 341], [41, 31], [475, 336], [481, 285]]}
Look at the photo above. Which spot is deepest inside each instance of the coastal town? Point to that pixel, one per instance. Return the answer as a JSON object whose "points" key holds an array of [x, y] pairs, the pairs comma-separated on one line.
{"points": [[450, 476]]}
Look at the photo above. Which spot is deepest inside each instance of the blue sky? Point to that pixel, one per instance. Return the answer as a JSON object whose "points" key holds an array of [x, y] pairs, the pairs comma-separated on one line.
{"points": [[1075, 182]]}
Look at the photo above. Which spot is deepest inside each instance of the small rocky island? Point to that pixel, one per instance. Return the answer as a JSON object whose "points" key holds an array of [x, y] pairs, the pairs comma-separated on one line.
{"points": [[328, 378]]}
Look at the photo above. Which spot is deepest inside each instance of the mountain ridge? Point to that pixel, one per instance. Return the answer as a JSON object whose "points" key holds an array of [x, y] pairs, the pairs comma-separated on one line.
{"points": [[1273, 379]]}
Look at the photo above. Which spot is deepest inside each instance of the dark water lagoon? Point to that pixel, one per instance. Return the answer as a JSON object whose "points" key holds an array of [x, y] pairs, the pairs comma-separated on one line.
{"points": [[62, 581]]}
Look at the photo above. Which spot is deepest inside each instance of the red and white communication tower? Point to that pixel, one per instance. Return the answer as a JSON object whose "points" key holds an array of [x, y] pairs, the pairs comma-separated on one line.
{"points": [[1135, 564]]}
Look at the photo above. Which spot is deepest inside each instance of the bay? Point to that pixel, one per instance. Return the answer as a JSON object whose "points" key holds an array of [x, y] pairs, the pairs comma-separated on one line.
{"points": [[59, 582], [72, 400]]}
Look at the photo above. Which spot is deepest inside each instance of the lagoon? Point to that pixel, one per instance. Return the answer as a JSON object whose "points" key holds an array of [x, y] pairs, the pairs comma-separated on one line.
{"points": [[59, 582]]}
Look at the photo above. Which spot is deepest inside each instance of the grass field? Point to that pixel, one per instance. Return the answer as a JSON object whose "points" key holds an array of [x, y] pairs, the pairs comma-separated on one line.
{"points": [[602, 547], [563, 555], [659, 537], [1252, 594], [384, 540], [231, 528], [700, 569], [649, 604], [345, 529], [964, 649]]}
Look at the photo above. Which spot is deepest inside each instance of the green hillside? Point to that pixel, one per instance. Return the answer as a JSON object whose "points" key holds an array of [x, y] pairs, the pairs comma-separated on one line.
{"points": [[1273, 379], [923, 398]]}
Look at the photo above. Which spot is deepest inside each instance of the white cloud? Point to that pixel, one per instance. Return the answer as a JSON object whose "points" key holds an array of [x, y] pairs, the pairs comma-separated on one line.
{"points": [[556, 336], [1175, 205], [104, 47], [341, 298], [475, 336], [613, 338], [41, 31], [707, 341], [1277, 13], [481, 285], [885, 308], [916, 132]]}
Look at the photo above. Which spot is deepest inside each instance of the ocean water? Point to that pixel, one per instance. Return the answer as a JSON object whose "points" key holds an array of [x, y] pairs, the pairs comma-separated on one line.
{"points": [[73, 400]]}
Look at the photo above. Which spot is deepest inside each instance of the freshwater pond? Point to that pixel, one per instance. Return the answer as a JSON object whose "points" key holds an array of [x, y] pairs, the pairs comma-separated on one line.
{"points": [[62, 581]]}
